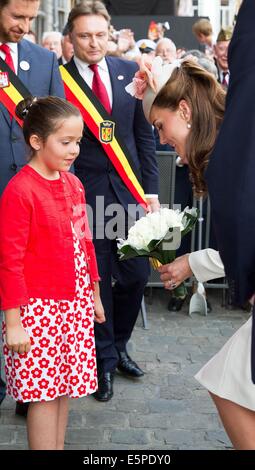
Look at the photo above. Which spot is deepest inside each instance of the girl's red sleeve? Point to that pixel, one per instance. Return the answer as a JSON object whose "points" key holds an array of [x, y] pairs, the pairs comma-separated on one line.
{"points": [[15, 213]]}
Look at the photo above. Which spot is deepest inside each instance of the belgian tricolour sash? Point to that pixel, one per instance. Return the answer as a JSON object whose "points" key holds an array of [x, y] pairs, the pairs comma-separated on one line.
{"points": [[12, 90], [101, 125]]}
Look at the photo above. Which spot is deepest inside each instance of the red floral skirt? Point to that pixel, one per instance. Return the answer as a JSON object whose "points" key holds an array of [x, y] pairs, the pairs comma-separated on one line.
{"points": [[62, 359]]}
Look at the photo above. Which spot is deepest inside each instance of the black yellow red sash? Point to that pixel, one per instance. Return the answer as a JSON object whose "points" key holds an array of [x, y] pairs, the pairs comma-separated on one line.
{"points": [[13, 91], [104, 129]]}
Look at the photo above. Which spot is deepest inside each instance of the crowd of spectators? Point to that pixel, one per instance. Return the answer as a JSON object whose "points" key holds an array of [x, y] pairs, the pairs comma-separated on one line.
{"points": [[211, 53]]}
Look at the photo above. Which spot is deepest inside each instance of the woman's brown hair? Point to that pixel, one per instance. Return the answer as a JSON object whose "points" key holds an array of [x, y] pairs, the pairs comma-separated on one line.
{"points": [[206, 99]]}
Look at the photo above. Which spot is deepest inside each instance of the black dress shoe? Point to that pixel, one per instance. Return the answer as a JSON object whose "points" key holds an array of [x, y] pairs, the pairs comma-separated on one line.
{"points": [[2, 390], [175, 304], [105, 387], [128, 367], [21, 409], [209, 307]]}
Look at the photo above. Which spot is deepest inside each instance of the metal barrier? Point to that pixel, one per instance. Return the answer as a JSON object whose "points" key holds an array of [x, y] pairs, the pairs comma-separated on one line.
{"points": [[198, 203], [167, 172]]}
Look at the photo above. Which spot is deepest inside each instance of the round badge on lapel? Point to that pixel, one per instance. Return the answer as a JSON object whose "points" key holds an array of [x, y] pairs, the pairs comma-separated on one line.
{"points": [[120, 77], [24, 65]]}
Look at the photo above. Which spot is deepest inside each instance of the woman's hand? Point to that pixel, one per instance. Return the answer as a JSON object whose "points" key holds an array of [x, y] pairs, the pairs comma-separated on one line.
{"points": [[17, 339], [99, 309], [173, 274]]}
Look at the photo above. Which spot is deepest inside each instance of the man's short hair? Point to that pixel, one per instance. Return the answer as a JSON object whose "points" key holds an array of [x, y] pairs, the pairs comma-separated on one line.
{"points": [[202, 26], [45, 35], [168, 41], [3, 3], [85, 8]]}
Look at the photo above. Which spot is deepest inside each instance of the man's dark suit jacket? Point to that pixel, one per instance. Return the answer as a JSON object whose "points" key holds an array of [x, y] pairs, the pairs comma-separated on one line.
{"points": [[93, 166], [42, 78], [231, 171]]}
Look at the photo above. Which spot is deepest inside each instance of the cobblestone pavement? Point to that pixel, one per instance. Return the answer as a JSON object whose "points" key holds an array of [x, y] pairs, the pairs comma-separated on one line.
{"points": [[166, 409]]}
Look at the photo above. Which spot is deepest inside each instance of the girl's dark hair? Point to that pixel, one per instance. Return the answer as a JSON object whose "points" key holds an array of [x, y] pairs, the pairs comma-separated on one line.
{"points": [[206, 99], [43, 116]]}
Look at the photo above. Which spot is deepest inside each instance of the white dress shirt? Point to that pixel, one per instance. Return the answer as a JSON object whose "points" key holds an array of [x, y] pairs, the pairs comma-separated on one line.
{"points": [[87, 74], [222, 76], [14, 53]]}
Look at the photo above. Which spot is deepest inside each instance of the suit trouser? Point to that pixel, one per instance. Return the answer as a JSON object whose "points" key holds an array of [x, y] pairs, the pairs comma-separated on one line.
{"points": [[121, 302]]}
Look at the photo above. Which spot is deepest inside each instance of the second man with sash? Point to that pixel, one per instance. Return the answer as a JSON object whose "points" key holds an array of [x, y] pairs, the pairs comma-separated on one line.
{"points": [[118, 167]]}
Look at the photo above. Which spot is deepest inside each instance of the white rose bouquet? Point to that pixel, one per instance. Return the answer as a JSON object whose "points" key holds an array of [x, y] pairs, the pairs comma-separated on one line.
{"points": [[158, 235]]}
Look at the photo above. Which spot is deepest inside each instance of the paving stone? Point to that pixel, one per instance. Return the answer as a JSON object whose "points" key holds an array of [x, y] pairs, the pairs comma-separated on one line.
{"points": [[215, 332], [204, 405], [218, 437], [167, 406], [7, 434], [8, 404], [227, 331], [111, 419], [201, 446], [149, 421], [133, 406], [178, 437], [191, 369], [76, 419], [83, 436], [163, 368], [166, 339], [200, 358], [182, 380], [192, 340], [8, 417], [175, 392], [192, 421], [130, 436], [171, 358], [178, 349], [90, 404], [12, 447]]}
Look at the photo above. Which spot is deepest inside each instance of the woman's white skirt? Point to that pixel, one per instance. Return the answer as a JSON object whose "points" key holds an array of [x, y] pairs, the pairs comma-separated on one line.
{"points": [[228, 373]]}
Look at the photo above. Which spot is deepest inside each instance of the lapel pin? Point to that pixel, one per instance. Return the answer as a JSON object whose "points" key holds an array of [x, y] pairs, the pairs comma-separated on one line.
{"points": [[120, 77], [24, 65]]}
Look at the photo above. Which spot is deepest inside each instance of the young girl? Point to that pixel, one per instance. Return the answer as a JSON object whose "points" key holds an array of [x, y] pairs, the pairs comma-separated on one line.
{"points": [[48, 273]]}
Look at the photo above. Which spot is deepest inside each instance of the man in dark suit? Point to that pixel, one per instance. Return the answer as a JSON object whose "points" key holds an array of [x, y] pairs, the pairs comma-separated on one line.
{"points": [[230, 174], [37, 68], [67, 47], [88, 25], [221, 55]]}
